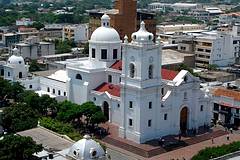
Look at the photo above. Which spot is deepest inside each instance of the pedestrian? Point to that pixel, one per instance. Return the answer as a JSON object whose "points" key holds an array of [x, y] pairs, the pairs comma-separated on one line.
{"points": [[228, 137], [231, 130], [212, 140]]}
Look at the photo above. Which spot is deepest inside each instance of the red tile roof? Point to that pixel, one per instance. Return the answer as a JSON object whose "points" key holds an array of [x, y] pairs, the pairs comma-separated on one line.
{"points": [[227, 93], [110, 88], [117, 65], [166, 74]]}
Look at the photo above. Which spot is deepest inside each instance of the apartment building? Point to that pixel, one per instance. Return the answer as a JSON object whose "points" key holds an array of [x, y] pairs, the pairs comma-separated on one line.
{"points": [[77, 33], [230, 18]]}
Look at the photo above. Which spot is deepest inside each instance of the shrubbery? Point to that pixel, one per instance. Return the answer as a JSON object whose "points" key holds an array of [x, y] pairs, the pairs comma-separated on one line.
{"points": [[214, 152], [60, 127]]}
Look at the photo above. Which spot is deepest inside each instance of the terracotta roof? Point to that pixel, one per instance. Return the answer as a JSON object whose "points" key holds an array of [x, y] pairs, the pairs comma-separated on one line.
{"points": [[110, 88], [117, 65], [227, 93], [166, 74]]}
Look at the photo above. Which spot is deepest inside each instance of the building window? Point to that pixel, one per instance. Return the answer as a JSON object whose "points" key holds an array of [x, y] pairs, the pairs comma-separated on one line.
{"points": [[162, 91], [201, 108], [185, 95], [237, 111], [64, 93], [30, 86], [53, 91], [150, 105], [150, 72], [165, 116], [2, 72], [119, 79], [115, 53], [48, 89], [130, 104], [149, 123], [78, 76], [8, 74], [118, 105], [130, 122], [131, 70], [59, 92], [93, 52], [103, 54], [110, 78], [20, 74]]}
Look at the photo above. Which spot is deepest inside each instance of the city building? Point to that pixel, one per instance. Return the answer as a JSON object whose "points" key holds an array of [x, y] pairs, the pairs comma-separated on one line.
{"points": [[125, 18], [10, 38], [230, 18], [24, 22], [184, 6], [129, 84], [221, 49], [32, 48], [184, 28], [226, 104], [77, 33]]}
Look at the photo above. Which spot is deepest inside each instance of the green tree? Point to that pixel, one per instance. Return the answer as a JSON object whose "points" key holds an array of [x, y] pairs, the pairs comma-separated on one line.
{"points": [[86, 49], [34, 66], [62, 47], [18, 148], [41, 104], [68, 111], [37, 25], [19, 117]]}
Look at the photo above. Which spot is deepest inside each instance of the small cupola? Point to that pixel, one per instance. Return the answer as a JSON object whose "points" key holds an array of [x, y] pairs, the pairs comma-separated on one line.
{"points": [[142, 36], [105, 20]]}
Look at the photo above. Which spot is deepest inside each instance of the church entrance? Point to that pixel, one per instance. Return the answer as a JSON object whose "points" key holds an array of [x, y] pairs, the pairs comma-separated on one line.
{"points": [[184, 120], [106, 109]]}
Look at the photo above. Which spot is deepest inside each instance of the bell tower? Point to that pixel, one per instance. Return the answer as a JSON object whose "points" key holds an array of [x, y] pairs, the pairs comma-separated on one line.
{"points": [[140, 87]]}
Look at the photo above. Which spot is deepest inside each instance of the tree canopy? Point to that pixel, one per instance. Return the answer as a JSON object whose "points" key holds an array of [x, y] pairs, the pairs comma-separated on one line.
{"points": [[19, 117], [18, 148]]}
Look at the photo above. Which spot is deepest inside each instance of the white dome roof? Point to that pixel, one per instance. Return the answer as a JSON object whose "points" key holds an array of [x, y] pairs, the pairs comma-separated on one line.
{"points": [[142, 35], [16, 60], [86, 149], [105, 33]]}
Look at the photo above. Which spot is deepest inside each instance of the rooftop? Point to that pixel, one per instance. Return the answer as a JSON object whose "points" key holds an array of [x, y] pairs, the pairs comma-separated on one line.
{"points": [[48, 139], [221, 91]]}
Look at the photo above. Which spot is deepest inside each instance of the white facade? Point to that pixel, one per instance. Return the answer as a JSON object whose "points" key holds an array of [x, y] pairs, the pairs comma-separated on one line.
{"points": [[145, 101], [132, 88]]}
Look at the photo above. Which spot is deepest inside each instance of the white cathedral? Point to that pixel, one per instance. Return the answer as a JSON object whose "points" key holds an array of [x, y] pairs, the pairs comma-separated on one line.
{"points": [[127, 81]]}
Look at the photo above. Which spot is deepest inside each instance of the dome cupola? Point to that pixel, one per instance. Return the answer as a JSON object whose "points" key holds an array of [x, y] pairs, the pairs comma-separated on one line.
{"points": [[86, 149], [16, 60], [105, 33], [142, 36]]}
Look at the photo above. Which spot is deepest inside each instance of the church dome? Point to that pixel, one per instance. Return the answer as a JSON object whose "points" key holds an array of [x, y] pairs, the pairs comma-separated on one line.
{"points": [[142, 35], [87, 149], [105, 33], [16, 60]]}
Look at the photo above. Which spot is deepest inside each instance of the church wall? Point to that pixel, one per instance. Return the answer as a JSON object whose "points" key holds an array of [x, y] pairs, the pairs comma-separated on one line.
{"points": [[79, 90], [46, 83]]}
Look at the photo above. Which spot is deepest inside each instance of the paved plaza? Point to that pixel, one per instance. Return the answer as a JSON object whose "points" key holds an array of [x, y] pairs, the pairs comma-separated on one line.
{"points": [[124, 149]]}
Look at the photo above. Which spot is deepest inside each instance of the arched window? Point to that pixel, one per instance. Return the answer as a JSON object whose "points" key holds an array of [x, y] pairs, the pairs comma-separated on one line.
{"points": [[150, 72], [131, 70], [78, 76], [20, 75]]}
